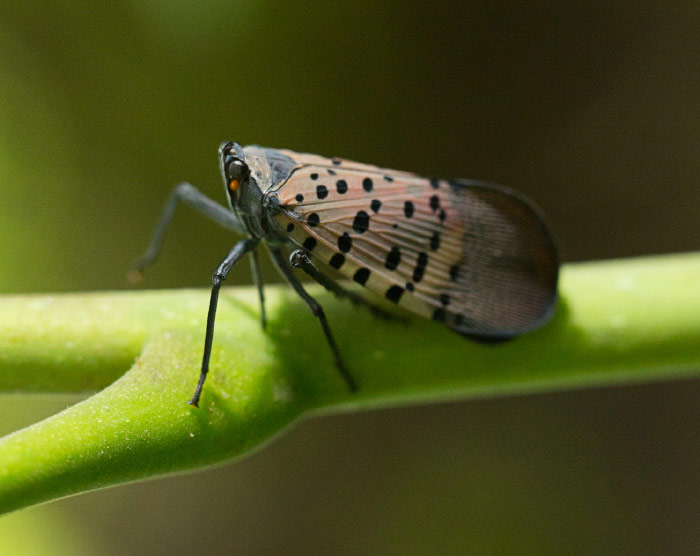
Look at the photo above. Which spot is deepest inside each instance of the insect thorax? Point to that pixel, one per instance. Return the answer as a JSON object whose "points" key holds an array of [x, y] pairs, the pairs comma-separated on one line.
{"points": [[256, 203]]}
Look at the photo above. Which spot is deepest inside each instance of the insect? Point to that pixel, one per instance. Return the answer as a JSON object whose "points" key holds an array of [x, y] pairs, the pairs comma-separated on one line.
{"points": [[475, 256]]}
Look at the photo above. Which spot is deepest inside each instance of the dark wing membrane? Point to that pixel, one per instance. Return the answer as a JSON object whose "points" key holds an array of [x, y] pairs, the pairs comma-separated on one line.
{"points": [[476, 256], [509, 271]]}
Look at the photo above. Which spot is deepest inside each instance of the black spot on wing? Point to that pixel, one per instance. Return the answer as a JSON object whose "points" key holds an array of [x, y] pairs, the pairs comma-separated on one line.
{"points": [[345, 242], [313, 220], [361, 222], [394, 293], [341, 186], [309, 243], [393, 258], [321, 192], [337, 260], [361, 275], [375, 205], [421, 263]]}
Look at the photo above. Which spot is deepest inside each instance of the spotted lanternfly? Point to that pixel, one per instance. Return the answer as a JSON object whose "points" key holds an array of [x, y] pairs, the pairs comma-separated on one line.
{"points": [[475, 256]]}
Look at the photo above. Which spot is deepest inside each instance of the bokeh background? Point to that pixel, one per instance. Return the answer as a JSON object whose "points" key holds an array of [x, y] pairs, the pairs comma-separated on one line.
{"points": [[593, 110]]}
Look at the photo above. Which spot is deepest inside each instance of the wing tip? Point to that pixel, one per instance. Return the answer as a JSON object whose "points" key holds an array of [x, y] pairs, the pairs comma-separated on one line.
{"points": [[496, 335], [537, 275]]}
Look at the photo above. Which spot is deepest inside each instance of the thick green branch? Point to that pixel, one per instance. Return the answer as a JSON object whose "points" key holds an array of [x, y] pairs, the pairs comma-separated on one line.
{"points": [[616, 321]]}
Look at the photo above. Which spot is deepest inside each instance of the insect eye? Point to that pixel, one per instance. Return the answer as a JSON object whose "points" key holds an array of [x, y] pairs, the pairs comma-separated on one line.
{"points": [[237, 172]]}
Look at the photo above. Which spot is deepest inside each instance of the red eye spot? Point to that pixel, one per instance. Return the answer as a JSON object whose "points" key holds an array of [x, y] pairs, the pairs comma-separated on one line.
{"points": [[233, 185]]}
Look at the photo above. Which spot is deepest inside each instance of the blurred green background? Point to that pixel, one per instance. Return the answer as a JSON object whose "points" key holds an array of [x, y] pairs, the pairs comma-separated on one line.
{"points": [[591, 110]]}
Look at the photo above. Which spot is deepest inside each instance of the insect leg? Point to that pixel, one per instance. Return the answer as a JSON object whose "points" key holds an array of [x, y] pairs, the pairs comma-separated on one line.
{"points": [[281, 262], [240, 249], [189, 195], [257, 278], [299, 259]]}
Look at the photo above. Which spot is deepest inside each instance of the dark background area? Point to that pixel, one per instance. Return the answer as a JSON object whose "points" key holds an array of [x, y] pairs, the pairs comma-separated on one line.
{"points": [[591, 110]]}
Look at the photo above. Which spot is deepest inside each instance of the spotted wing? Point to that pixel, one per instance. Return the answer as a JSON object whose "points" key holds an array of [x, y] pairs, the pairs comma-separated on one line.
{"points": [[477, 256]]}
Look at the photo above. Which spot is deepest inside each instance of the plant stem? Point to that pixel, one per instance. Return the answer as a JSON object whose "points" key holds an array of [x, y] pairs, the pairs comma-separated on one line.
{"points": [[617, 322]]}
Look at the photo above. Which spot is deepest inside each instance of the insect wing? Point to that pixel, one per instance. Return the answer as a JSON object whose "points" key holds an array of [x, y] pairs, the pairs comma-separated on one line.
{"points": [[477, 256]]}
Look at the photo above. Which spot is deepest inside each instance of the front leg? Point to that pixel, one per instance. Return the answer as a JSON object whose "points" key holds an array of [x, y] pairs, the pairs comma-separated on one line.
{"points": [[240, 249]]}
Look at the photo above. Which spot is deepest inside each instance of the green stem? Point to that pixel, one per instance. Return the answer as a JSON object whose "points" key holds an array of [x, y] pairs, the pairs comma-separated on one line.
{"points": [[616, 321]]}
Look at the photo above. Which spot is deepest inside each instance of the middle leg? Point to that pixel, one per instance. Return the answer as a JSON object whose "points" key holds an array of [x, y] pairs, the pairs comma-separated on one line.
{"points": [[281, 263], [299, 259]]}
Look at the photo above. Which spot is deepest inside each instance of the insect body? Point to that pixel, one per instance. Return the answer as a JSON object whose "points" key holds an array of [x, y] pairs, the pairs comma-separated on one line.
{"points": [[477, 257]]}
